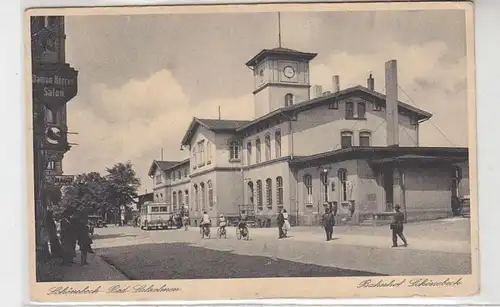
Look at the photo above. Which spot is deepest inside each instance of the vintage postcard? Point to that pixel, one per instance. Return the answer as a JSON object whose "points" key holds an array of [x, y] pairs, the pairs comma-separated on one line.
{"points": [[208, 152]]}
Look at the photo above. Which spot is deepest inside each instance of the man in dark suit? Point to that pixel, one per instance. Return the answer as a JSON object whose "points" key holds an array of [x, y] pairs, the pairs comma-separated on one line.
{"points": [[328, 223], [397, 227]]}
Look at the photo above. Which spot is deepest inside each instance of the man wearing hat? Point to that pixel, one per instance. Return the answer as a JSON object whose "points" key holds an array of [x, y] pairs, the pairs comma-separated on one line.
{"points": [[397, 227]]}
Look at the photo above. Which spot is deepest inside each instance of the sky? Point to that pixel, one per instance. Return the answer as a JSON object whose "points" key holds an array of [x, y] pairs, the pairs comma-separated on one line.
{"points": [[142, 78]]}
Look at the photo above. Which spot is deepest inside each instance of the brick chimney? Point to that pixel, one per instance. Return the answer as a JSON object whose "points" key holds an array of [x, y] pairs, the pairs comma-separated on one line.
{"points": [[370, 82], [391, 93], [317, 90], [336, 84]]}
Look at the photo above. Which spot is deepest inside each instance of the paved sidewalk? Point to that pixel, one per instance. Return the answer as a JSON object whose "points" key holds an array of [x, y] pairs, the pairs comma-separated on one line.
{"points": [[96, 269]]}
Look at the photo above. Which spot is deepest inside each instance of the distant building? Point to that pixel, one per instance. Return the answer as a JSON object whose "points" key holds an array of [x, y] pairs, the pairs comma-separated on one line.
{"points": [[353, 149], [141, 199]]}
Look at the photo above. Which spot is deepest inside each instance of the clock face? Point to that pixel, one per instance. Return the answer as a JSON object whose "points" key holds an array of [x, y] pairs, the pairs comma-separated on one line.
{"points": [[289, 72]]}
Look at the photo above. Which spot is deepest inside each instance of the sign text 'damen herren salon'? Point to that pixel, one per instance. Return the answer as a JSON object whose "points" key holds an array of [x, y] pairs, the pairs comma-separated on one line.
{"points": [[54, 85]]}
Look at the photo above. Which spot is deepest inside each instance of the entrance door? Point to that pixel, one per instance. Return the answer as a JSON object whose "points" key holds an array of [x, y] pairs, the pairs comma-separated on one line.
{"points": [[388, 181]]}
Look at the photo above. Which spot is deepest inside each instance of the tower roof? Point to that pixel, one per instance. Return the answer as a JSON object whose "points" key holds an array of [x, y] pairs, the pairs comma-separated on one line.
{"points": [[280, 51]]}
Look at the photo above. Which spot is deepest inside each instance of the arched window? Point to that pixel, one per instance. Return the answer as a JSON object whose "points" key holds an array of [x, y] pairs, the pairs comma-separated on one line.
{"points": [[202, 192], [249, 153], [308, 190], [267, 141], [277, 139], [279, 192], [234, 150], [288, 99], [346, 139], [174, 200], [342, 174], [186, 198], [210, 194], [196, 198], [364, 138], [250, 192], [258, 151], [259, 195], [181, 201], [269, 193]]}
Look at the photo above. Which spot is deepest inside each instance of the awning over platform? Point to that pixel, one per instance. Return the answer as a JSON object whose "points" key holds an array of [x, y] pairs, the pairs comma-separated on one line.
{"points": [[416, 158]]}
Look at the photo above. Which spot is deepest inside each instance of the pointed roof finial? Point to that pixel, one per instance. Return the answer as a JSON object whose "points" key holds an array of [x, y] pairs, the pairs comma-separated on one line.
{"points": [[279, 29]]}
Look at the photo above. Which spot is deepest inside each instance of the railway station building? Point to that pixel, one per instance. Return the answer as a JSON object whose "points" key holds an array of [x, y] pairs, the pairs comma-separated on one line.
{"points": [[352, 149]]}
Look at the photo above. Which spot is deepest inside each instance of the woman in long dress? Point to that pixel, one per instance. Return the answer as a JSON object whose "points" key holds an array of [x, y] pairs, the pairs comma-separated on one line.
{"points": [[286, 225]]}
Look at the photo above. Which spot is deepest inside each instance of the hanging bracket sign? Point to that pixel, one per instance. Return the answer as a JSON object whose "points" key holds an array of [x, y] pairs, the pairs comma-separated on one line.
{"points": [[54, 84]]}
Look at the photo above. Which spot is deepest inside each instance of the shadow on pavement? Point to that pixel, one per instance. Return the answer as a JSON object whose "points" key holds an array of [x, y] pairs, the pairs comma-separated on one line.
{"points": [[182, 261]]}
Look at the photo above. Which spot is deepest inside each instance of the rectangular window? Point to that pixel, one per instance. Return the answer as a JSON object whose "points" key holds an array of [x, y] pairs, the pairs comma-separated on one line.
{"points": [[361, 110], [377, 107], [346, 139], [364, 139], [349, 110], [334, 105], [155, 209], [158, 179], [163, 209], [234, 151]]}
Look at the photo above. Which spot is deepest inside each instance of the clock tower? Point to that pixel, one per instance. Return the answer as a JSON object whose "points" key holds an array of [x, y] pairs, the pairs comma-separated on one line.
{"points": [[281, 78]]}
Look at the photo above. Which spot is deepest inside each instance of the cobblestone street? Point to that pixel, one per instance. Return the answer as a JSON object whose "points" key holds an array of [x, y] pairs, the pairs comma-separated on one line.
{"points": [[439, 247]]}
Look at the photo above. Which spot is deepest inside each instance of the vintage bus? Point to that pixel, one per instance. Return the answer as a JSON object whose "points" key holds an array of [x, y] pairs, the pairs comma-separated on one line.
{"points": [[155, 216]]}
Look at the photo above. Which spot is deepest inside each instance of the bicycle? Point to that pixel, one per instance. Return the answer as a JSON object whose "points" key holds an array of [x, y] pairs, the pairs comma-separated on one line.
{"points": [[242, 233], [222, 232], [205, 232]]}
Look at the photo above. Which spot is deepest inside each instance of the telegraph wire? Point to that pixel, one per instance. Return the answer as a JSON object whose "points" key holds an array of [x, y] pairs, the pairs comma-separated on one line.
{"points": [[430, 120]]}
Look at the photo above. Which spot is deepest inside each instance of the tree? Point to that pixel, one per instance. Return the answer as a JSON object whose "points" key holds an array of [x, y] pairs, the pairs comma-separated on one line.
{"points": [[122, 186], [88, 192], [97, 194]]}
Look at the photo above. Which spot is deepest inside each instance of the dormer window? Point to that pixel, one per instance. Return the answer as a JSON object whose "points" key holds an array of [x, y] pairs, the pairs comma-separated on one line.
{"points": [[289, 99]]}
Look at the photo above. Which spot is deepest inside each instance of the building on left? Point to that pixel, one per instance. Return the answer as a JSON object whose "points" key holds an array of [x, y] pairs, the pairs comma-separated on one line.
{"points": [[54, 84]]}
